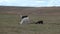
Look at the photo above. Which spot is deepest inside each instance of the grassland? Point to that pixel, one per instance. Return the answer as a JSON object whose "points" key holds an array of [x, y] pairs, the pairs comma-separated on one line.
{"points": [[9, 25], [9, 20]]}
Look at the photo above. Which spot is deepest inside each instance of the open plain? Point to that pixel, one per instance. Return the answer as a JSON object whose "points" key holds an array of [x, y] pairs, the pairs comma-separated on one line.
{"points": [[9, 20]]}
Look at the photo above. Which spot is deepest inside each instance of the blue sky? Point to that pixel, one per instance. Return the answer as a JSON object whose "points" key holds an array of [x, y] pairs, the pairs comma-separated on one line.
{"points": [[33, 3]]}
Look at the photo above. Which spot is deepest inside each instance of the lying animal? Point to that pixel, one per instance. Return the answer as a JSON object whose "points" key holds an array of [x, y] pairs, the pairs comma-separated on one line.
{"points": [[39, 22]]}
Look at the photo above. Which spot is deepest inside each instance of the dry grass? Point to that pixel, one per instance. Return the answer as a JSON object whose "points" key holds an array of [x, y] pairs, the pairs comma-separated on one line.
{"points": [[9, 25]]}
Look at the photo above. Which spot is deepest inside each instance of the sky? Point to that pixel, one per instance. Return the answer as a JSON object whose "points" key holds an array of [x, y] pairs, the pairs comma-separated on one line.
{"points": [[31, 3]]}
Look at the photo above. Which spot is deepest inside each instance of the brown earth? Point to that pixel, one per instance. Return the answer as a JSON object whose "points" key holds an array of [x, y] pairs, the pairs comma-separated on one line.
{"points": [[49, 15], [30, 10]]}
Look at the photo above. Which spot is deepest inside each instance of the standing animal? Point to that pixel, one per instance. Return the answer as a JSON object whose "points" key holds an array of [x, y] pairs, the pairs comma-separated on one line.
{"points": [[24, 20]]}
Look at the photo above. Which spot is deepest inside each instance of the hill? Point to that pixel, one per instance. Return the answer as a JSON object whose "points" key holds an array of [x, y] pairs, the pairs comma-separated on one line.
{"points": [[30, 10]]}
